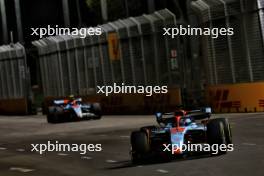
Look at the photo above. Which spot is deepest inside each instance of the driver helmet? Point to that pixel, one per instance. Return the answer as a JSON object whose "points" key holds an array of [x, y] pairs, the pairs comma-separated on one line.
{"points": [[188, 121], [71, 97]]}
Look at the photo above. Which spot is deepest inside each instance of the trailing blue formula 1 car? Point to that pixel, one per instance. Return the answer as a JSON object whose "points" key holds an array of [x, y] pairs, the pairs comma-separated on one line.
{"points": [[73, 109], [177, 129]]}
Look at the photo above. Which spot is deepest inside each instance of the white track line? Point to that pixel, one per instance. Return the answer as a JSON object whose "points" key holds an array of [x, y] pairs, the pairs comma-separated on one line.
{"points": [[86, 157], [102, 135], [20, 169], [63, 154], [20, 150], [249, 144], [110, 161], [3, 148], [124, 136], [162, 171]]}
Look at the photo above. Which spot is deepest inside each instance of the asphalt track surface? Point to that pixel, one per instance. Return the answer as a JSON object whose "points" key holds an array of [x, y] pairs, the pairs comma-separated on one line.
{"points": [[18, 133]]}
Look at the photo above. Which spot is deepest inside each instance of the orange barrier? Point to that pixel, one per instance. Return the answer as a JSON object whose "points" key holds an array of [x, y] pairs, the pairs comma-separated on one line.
{"points": [[14, 107], [244, 97], [132, 103]]}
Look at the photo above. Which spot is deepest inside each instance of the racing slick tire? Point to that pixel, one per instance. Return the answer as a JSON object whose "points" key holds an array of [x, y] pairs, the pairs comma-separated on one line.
{"points": [[136, 158], [148, 128], [140, 146], [227, 129], [216, 134], [139, 142], [54, 114], [97, 110]]}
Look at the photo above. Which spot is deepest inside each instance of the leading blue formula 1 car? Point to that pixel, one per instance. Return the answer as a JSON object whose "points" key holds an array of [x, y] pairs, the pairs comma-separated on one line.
{"points": [[73, 109], [175, 129]]}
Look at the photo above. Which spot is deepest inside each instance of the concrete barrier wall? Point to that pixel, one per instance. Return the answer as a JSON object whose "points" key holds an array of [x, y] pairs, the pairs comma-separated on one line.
{"points": [[14, 80], [14, 106], [244, 97]]}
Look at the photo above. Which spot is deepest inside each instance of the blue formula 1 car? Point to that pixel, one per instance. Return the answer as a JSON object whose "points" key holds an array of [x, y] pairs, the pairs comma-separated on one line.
{"points": [[73, 109], [178, 129]]}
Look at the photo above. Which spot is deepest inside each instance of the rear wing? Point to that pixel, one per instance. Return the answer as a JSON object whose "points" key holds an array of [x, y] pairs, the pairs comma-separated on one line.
{"points": [[59, 102], [198, 114], [160, 118], [65, 101]]}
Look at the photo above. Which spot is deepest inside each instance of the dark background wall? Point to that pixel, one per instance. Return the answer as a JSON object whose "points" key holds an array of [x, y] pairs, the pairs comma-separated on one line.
{"points": [[40, 13]]}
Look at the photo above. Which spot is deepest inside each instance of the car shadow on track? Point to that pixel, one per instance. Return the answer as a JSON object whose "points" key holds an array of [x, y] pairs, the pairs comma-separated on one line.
{"points": [[128, 163]]}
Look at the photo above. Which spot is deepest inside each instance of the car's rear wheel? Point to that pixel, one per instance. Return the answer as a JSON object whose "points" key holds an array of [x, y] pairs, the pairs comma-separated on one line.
{"points": [[140, 146], [139, 142], [136, 158], [148, 128], [97, 110], [50, 118]]}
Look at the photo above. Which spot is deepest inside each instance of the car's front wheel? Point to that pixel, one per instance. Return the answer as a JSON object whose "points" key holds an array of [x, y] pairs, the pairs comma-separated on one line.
{"points": [[216, 135], [54, 114], [227, 129]]}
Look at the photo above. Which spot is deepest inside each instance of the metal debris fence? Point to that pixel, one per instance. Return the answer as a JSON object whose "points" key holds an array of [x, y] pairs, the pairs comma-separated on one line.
{"points": [[14, 74], [237, 58], [133, 51]]}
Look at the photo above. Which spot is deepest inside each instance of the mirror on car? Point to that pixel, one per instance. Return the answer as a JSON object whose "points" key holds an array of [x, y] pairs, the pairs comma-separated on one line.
{"points": [[207, 110], [79, 99], [158, 117]]}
